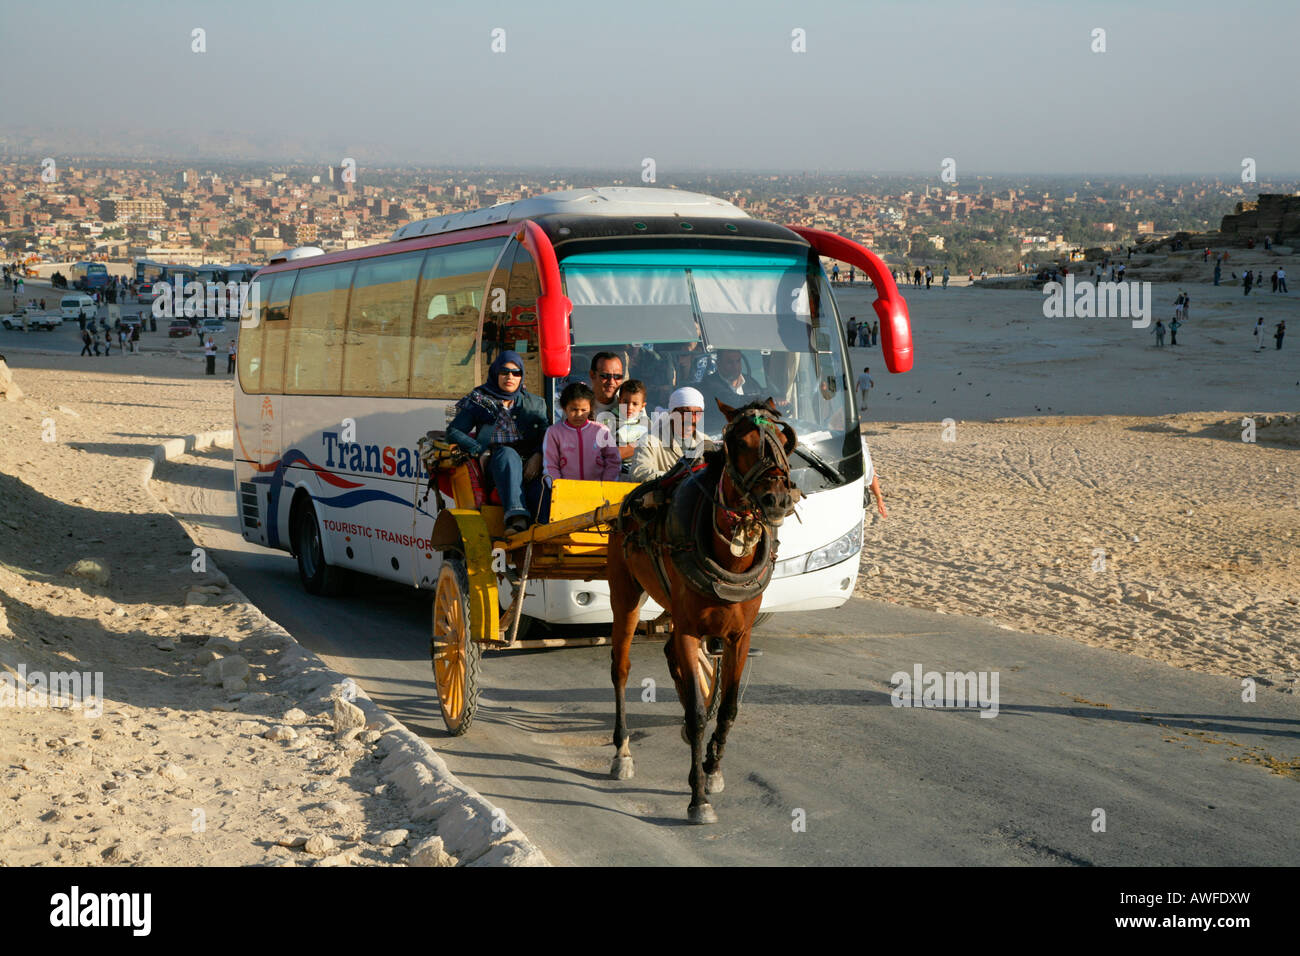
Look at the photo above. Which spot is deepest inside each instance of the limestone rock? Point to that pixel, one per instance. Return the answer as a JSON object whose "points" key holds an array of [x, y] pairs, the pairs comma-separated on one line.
{"points": [[393, 837], [224, 669], [8, 390], [347, 716], [170, 771], [94, 570], [281, 732], [430, 852], [318, 845]]}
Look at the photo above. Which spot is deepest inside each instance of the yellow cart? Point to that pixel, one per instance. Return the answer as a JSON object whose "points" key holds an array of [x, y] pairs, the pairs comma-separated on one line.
{"points": [[478, 556]]}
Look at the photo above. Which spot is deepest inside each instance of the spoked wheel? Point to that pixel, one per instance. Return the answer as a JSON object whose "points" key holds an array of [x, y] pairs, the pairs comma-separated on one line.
{"points": [[455, 655], [708, 678]]}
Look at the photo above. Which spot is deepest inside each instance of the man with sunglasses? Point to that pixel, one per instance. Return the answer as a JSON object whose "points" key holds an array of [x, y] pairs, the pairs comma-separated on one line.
{"points": [[606, 378]]}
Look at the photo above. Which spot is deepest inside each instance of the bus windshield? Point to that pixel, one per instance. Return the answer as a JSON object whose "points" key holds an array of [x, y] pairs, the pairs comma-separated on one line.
{"points": [[738, 327]]}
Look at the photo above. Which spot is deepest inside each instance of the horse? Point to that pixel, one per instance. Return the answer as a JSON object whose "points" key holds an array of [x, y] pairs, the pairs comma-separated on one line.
{"points": [[701, 541]]}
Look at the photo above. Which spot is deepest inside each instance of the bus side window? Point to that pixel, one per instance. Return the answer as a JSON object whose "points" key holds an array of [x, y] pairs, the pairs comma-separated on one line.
{"points": [[250, 339], [376, 355], [275, 335], [444, 338], [319, 312], [516, 327]]}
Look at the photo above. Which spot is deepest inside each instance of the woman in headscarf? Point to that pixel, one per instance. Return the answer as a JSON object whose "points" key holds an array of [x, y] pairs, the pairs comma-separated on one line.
{"points": [[504, 421]]}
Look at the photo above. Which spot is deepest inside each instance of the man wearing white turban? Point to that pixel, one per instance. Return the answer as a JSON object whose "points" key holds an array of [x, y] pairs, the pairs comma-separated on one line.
{"points": [[671, 437]]}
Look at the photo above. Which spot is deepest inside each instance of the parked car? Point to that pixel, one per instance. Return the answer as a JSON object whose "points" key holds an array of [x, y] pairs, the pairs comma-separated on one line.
{"points": [[214, 326], [179, 329], [35, 320]]}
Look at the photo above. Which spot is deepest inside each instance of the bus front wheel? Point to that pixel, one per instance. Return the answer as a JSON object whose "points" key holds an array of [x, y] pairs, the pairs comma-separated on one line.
{"points": [[318, 577]]}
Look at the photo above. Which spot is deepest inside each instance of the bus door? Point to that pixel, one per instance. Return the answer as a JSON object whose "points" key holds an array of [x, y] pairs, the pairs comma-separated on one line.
{"points": [[510, 314]]}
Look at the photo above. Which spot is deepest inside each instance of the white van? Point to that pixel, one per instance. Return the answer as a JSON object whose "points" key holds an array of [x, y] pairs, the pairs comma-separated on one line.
{"points": [[73, 303]]}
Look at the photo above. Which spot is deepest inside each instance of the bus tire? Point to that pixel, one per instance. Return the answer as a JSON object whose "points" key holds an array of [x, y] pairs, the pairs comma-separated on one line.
{"points": [[318, 576]]}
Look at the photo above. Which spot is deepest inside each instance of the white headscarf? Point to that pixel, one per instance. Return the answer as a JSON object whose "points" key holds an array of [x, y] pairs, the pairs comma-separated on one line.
{"points": [[686, 397]]}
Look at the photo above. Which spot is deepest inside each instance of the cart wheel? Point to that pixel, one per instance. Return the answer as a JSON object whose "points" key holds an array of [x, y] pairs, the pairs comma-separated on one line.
{"points": [[455, 655], [708, 671]]}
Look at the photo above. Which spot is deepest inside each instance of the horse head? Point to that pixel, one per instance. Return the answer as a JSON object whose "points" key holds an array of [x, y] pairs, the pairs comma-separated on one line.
{"points": [[757, 445]]}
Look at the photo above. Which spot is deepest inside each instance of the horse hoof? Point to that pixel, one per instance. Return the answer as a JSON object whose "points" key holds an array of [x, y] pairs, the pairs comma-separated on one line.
{"points": [[703, 813], [714, 783], [621, 769]]}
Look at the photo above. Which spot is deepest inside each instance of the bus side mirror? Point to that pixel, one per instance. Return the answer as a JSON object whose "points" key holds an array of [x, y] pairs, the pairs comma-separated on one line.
{"points": [[553, 306], [553, 332]]}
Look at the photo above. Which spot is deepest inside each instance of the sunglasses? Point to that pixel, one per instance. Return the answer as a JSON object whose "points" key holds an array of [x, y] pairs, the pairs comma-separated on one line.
{"points": [[610, 376], [512, 372]]}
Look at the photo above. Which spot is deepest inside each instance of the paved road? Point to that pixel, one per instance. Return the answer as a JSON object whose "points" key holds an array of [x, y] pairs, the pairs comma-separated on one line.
{"points": [[1174, 759], [67, 338]]}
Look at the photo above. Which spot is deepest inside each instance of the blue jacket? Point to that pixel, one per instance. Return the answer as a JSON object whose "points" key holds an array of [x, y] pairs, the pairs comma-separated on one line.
{"points": [[475, 422]]}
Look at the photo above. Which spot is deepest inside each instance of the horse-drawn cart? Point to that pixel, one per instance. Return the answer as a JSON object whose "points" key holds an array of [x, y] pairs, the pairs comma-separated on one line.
{"points": [[480, 558]]}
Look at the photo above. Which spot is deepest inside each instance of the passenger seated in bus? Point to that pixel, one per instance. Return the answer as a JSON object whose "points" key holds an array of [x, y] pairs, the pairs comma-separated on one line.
{"points": [[577, 447], [728, 384], [672, 437], [509, 423]]}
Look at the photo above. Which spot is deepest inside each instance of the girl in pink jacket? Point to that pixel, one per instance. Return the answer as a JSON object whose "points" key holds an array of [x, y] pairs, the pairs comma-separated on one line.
{"points": [[578, 447]]}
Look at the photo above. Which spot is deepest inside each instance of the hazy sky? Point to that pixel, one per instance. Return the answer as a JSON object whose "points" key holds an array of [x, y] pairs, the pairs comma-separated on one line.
{"points": [[1183, 87]]}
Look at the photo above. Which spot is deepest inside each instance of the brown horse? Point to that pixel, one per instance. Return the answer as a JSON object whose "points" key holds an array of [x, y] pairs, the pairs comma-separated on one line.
{"points": [[704, 554]]}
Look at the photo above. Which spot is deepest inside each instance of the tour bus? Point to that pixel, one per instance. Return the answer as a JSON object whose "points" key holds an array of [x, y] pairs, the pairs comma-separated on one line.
{"points": [[210, 273], [350, 357], [147, 272], [88, 276], [240, 273]]}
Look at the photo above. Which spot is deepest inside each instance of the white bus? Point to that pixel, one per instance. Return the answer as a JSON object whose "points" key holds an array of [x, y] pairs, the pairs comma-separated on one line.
{"points": [[353, 356]]}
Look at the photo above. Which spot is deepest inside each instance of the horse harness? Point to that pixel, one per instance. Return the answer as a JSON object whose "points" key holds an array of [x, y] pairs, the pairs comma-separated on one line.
{"points": [[672, 517]]}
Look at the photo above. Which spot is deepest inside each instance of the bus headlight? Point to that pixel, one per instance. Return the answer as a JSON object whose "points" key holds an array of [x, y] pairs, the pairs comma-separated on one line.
{"points": [[790, 567], [841, 549]]}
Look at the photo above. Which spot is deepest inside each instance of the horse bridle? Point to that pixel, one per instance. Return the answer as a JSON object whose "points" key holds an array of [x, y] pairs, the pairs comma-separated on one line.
{"points": [[772, 457]]}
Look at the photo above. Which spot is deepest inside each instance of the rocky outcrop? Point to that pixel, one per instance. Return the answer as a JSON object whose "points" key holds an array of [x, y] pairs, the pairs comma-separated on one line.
{"points": [[1272, 214]]}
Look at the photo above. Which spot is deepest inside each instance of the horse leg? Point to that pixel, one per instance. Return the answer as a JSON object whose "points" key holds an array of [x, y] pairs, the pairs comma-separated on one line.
{"points": [[682, 650], [623, 595], [733, 668]]}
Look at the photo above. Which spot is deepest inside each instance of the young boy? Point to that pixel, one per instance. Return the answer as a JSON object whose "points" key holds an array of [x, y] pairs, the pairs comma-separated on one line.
{"points": [[578, 447], [634, 422]]}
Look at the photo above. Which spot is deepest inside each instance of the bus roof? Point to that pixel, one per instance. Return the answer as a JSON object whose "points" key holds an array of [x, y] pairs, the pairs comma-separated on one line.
{"points": [[596, 201]]}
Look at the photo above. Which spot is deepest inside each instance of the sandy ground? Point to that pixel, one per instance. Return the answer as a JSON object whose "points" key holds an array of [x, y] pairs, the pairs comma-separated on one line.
{"points": [[176, 770], [1088, 485], [1168, 538], [1076, 444]]}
